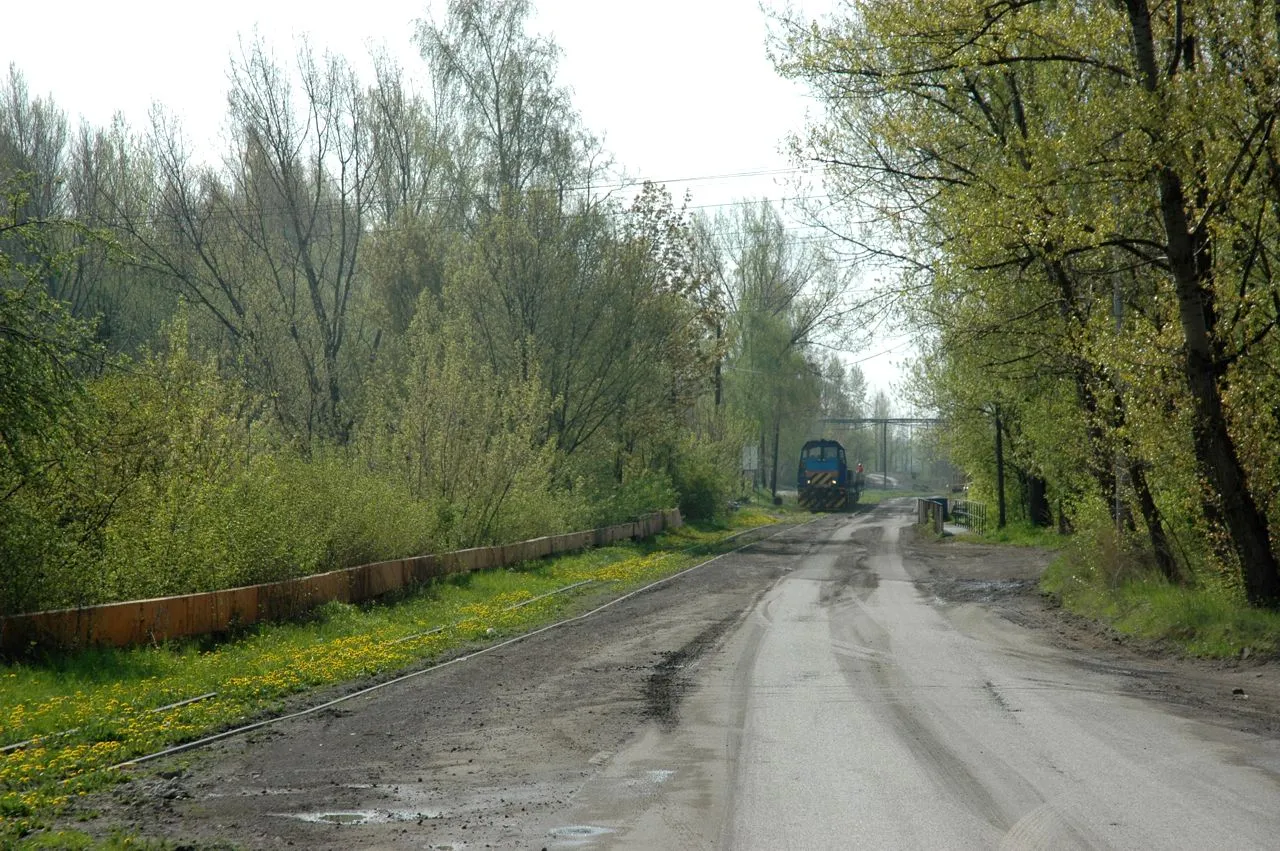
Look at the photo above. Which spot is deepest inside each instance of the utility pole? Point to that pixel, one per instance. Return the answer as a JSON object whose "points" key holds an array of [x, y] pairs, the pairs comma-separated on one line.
{"points": [[884, 456], [773, 480]]}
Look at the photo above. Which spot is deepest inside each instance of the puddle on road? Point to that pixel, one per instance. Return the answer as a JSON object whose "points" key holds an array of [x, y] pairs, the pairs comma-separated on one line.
{"points": [[980, 590], [581, 832], [649, 782], [344, 818], [359, 817]]}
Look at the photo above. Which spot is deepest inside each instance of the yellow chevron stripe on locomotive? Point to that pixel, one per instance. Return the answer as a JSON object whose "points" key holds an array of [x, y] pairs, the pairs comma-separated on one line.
{"points": [[822, 478], [828, 497]]}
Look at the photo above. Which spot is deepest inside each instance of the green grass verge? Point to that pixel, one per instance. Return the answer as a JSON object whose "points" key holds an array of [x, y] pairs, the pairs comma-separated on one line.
{"points": [[1214, 623], [875, 496], [1204, 622], [69, 840], [87, 711], [1020, 534]]}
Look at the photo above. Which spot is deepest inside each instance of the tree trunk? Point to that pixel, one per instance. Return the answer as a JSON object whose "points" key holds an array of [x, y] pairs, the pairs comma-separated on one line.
{"points": [[1000, 523], [760, 465], [1215, 449], [1137, 478], [1165, 561], [1038, 510], [719, 377], [1190, 261], [1099, 461]]}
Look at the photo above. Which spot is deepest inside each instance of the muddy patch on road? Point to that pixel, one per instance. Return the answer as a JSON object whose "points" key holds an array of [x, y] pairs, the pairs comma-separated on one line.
{"points": [[485, 753], [670, 678], [853, 574], [963, 572]]}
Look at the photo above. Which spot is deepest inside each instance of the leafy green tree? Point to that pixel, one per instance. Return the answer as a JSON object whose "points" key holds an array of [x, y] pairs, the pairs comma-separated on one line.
{"points": [[62, 176], [511, 126], [414, 215], [554, 280], [464, 438], [1041, 163], [268, 247], [844, 396], [46, 420], [33, 143], [774, 300]]}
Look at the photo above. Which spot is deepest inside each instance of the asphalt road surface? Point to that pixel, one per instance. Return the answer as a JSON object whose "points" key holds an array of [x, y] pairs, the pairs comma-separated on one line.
{"points": [[813, 691]]}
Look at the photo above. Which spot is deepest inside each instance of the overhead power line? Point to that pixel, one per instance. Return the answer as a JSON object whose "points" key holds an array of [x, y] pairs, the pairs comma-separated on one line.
{"points": [[735, 175]]}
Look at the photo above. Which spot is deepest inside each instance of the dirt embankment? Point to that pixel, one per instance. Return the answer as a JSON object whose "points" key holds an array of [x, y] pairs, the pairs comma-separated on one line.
{"points": [[1244, 694]]}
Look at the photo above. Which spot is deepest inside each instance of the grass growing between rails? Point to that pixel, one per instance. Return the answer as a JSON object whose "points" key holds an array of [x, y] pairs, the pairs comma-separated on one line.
{"points": [[1211, 620], [82, 713]]}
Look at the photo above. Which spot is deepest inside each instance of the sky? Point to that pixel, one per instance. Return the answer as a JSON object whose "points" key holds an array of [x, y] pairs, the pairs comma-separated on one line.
{"points": [[680, 91]]}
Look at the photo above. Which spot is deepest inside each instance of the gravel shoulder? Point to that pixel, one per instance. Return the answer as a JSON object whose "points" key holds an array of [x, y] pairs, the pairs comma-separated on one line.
{"points": [[1003, 581]]}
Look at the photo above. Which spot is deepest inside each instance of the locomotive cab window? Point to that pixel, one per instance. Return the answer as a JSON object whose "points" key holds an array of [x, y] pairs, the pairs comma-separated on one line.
{"points": [[824, 452]]}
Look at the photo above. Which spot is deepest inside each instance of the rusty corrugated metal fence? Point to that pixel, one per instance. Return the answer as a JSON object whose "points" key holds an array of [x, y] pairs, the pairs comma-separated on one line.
{"points": [[164, 618]]}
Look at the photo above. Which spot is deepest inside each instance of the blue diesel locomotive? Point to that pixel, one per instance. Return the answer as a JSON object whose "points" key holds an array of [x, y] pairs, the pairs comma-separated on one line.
{"points": [[824, 481]]}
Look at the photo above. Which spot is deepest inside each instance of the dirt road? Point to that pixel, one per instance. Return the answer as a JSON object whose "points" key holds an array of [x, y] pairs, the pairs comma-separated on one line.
{"points": [[843, 684]]}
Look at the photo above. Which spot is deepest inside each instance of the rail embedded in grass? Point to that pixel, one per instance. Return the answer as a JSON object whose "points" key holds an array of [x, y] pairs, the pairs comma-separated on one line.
{"points": [[108, 698]]}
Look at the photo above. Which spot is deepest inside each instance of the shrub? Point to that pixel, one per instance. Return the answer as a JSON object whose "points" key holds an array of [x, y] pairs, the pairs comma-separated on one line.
{"points": [[704, 478], [463, 437], [641, 493]]}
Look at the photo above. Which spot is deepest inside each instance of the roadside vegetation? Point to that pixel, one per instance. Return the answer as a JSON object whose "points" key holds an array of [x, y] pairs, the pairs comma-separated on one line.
{"points": [[1080, 203], [875, 496], [1108, 580], [1023, 534], [83, 712], [1110, 583], [368, 323]]}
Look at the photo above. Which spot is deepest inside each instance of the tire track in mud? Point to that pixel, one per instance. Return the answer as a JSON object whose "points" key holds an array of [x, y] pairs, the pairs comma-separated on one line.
{"points": [[670, 679]]}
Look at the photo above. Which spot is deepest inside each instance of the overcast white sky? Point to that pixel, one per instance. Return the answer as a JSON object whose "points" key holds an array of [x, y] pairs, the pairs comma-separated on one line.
{"points": [[680, 90]]}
